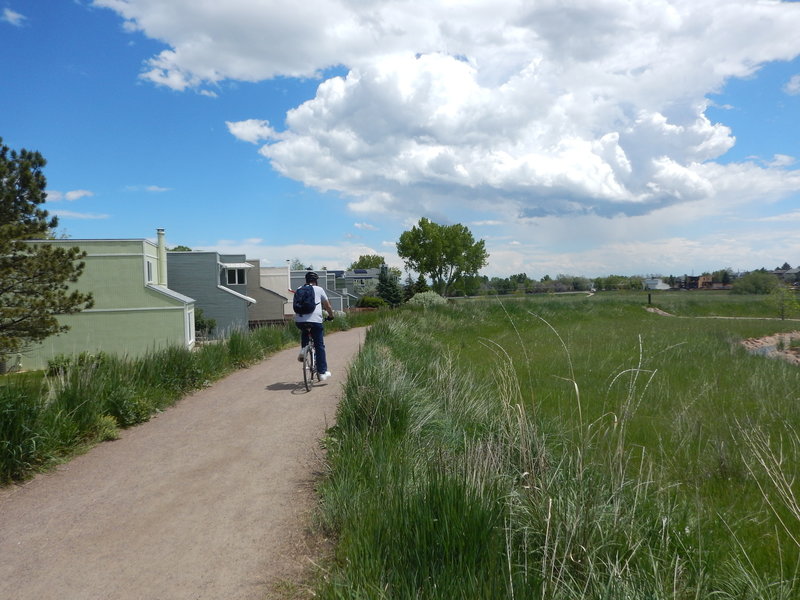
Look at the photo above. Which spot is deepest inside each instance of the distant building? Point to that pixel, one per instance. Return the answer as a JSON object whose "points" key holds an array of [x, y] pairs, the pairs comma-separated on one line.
{"points": [[655, 283], [789, 276], [270, 288], [218, 284]]}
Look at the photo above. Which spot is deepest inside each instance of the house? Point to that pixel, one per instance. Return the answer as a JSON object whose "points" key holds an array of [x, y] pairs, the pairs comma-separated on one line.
{"points": [[270, 288], [337, 282], [696, 282], [361, 280], [655, 283], [788, 276], [339, 299], [134, 311], [218, 284]]}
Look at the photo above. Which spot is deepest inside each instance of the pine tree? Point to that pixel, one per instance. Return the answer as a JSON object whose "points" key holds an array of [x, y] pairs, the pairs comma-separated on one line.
{"points": [[408, 288], [34, 279], [421, 285], [389, 289]]}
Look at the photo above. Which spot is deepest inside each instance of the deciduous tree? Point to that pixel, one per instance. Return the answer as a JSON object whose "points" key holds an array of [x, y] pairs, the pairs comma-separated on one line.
{"points": [[442, 252], [784, 300], [367, 261], [297, 265], [34, 279], [755, 282]]}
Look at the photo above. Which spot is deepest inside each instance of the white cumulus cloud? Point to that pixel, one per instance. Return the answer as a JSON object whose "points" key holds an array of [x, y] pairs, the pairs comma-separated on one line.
{"points": [[251, 130], [792, 86], [517, 111]]}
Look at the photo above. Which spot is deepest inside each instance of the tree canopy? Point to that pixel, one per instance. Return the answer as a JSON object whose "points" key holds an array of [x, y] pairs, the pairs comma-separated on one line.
{"points": [[34, 278], [298, 265], [755, 282], [445, 253], [367, 261]]}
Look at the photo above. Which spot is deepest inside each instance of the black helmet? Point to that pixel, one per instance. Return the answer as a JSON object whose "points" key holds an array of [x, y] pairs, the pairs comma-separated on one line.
{"points": [[311, 276]]}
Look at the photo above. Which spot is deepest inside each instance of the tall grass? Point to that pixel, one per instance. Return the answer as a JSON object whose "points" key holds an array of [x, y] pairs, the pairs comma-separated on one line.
{"points": [[563, 448]]}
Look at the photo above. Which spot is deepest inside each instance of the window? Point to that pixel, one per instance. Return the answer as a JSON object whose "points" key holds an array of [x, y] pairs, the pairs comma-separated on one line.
{"points": [[149, 271], [236, 277]]}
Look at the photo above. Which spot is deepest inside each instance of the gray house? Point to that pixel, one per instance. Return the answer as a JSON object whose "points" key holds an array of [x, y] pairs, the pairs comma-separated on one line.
{"points": [[218, 284]]}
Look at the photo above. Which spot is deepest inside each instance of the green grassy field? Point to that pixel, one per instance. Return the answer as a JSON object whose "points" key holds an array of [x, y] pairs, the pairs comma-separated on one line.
{"points": [[567, 447]]}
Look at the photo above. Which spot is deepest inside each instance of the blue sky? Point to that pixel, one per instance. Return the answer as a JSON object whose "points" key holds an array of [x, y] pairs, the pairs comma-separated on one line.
{"points": [[585, 138]]}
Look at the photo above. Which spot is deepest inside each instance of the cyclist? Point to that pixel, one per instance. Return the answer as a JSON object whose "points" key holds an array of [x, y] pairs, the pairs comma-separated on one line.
{"points": [[314, 320]]}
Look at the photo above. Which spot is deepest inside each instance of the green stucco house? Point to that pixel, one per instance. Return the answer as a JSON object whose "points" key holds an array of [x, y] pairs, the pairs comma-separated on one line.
{"points": [[134, 310]]}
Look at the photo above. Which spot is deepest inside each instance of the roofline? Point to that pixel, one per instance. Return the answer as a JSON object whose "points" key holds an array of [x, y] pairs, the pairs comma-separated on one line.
{"points": [[237, 294], [171, 293]]}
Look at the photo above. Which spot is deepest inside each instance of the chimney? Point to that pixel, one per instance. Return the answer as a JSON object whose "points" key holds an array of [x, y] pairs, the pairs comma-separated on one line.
{"points": [[162, 258]]}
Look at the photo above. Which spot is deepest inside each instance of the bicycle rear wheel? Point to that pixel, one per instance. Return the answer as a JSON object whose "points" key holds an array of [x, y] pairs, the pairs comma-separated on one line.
{"points": [[309, 368]]}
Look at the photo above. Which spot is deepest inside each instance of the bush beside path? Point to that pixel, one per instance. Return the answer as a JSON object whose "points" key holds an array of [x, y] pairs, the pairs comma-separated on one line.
{"points": [[209, 500]]}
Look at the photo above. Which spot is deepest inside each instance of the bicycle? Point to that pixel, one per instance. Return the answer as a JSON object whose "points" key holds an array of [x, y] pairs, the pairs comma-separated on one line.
{"points": [[309, 361], [310, 358]]}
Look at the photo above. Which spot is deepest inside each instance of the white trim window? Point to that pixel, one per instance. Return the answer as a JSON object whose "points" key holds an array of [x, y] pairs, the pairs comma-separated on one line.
{"points": [[149, 271], [236, 277], [190, 324]]}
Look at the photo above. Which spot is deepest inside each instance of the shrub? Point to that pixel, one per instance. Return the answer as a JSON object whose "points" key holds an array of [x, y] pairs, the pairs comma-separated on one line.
{"points": [[755, 282], [62, 363], [371, 302], [203, 326], [427, 299]]}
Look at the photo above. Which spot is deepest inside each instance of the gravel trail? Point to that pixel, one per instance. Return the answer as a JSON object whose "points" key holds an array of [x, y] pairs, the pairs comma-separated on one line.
{"points": [[208, 500]]}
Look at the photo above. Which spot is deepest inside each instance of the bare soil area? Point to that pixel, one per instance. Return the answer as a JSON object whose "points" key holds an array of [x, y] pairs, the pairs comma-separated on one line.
{"points": [[775, 346], [212, 499]]}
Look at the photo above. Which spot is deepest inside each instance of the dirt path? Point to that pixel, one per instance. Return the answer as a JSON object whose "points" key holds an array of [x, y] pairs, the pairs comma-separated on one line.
{"points": [[209, 500]]}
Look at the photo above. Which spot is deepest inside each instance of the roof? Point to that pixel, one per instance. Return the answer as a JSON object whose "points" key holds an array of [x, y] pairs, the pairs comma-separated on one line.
{"points": [[237, 294], [171, 293], [235, 265]]}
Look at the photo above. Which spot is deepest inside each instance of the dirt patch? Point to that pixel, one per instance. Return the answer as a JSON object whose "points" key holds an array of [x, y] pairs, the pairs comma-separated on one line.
{"points": [[658, 311], [776, 346]]}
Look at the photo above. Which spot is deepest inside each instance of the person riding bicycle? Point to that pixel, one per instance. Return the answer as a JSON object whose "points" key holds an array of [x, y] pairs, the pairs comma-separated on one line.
{"points": [[314, 321]]}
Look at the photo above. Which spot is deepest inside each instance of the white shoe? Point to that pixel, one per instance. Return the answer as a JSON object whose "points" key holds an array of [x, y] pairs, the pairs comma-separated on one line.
{"points": [[324, 375]]}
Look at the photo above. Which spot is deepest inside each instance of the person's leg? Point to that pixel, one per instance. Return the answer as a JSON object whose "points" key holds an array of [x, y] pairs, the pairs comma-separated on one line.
{"points": [[318, 331], [303, 339]]}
